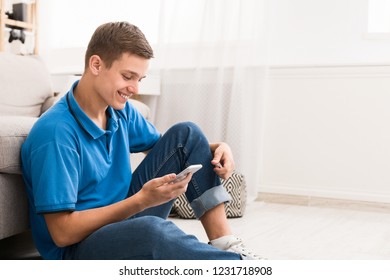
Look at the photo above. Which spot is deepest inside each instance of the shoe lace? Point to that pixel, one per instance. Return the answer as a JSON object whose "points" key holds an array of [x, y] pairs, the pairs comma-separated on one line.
{"points": [[238, 246]]}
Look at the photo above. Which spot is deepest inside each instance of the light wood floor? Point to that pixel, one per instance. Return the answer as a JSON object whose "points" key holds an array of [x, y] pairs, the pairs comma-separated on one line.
{"points": [[286, 232], [296, 232]]}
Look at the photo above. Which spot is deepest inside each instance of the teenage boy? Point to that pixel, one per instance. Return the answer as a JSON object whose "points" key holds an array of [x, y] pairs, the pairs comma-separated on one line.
{"points": [[85, 202]]}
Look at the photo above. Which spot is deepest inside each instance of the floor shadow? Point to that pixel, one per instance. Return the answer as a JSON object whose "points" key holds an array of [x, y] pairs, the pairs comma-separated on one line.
{"points": [[19, 247]]}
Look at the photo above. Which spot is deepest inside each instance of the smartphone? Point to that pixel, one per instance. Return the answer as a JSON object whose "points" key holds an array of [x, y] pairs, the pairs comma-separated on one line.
{"points": [[190, 169]]}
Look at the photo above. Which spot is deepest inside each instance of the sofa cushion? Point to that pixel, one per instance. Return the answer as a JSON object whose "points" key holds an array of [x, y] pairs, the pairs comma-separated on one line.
{"points": [[25, 85], [13, 132]]}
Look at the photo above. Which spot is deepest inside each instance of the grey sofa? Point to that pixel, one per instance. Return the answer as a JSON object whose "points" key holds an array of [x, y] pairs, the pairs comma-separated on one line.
{"points": [[25, 93]]}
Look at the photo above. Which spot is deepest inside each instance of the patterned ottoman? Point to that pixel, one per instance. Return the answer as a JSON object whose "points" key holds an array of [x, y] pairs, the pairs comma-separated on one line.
{"points": [[235, 186]]}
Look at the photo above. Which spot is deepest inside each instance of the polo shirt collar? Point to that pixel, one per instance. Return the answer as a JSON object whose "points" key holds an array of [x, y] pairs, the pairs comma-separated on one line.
{"points": [[85, 122]]}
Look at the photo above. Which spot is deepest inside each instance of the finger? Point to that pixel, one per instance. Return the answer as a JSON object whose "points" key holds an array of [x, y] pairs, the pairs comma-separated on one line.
{"points": [[174, 190], [164, 179], [180, 191], [228, 165], [225, 175], [224, 172], [181, 184], [220, 171], [217, 157]]}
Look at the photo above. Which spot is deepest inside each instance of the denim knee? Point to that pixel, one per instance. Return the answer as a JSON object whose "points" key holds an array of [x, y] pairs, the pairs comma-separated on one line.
{"points": [[184, 131], [149, 224], [157, 230], [185, 125], [191, 138]]}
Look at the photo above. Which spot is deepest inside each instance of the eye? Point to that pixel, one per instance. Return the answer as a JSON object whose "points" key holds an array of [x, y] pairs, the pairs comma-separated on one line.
{"points": [[127, 78]]}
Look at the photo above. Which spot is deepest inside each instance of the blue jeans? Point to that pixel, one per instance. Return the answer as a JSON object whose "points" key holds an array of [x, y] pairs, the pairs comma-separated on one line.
{"points": [[148, 235]]}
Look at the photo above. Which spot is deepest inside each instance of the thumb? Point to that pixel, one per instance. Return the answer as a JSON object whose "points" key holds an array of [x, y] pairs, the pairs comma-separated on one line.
{"points": [[164, 179], [217, 157]]}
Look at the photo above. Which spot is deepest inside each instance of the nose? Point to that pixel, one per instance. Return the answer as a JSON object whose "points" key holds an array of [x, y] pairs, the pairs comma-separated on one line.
{"points": [[133, 88]]}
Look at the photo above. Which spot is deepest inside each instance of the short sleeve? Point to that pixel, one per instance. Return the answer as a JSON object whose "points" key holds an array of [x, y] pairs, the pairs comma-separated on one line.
{"points": [[55, 177]]}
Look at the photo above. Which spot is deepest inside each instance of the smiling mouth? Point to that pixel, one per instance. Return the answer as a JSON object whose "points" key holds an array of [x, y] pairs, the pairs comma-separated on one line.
{"points": [[124, 96]]}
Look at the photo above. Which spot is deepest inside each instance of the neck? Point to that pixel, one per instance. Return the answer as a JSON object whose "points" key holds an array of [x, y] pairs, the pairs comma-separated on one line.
{"points": [[90, 103]]}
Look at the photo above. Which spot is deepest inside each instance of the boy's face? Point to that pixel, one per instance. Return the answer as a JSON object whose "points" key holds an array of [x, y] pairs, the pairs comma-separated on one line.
{"points": [[115, 85]]}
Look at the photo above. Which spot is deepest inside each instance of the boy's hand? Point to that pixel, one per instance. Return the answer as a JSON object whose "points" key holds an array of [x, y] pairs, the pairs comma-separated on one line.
{"points": [[223, 160], [160, 190]]}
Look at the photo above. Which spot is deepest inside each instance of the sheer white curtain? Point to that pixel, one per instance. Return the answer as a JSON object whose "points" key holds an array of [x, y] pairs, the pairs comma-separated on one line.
{"points": [[211, 55]]}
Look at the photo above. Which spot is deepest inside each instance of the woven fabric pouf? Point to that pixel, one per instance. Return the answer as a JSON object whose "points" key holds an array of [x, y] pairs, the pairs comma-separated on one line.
{"points": [[235, 186]]}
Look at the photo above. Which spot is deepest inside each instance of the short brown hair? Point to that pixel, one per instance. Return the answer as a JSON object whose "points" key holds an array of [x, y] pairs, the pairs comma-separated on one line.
{"points": [[111, 40]]}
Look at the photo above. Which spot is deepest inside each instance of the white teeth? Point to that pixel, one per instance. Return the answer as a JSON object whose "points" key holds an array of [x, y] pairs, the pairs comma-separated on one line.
{"points": [[124, 96]]}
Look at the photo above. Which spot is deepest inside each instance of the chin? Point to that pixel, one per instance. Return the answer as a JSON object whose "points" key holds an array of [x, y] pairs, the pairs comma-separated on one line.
{"points": [[118, 106]]}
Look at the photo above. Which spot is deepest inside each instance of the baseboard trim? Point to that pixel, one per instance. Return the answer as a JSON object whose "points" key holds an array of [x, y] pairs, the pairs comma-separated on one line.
{"points": [[323, 202]]}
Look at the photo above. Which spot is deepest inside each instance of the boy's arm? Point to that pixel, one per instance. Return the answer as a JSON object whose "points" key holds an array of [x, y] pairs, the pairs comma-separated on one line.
{"points": [[67, 228]]}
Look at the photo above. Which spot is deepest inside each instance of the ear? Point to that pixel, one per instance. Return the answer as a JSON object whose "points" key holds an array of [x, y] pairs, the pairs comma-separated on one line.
{"points": [[95, 64]]}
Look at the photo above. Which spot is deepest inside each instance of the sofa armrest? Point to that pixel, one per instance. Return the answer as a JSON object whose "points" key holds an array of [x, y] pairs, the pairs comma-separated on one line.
{"points": [[50, 101], [13, 133], [141, 107]]}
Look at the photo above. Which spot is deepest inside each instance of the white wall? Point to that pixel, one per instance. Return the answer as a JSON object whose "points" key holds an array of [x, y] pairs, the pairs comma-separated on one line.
{"points": [[327, 132], [322, 32], [327, 125]]}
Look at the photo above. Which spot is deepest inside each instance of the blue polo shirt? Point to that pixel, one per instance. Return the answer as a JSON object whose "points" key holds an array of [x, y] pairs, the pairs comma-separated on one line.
{"points": [[69, 163]]}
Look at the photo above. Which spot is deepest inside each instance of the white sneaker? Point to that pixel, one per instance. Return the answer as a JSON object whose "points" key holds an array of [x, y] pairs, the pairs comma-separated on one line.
{"points": [[234, 244]]}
